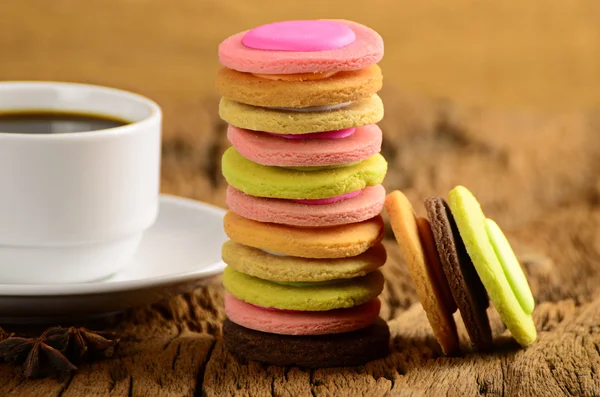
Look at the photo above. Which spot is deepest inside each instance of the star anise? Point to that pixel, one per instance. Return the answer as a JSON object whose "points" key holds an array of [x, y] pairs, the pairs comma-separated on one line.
{"points": [[84, 343], [40, 356]]}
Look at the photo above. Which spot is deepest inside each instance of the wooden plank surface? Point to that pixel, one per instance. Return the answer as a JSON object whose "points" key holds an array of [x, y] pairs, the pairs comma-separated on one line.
{"points": [[535, 172]]}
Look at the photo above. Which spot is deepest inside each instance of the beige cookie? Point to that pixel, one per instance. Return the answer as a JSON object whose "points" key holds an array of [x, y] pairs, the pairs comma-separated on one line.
{"points": [[357, 114], [297, 92], [424, 269], [319, 243], [258, 263]]}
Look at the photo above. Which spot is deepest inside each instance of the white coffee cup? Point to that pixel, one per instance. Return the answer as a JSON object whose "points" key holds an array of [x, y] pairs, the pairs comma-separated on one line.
{"points": [[74, 206]]}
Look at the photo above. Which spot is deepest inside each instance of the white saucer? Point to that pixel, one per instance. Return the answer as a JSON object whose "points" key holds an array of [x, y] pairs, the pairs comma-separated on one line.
{"points": [[181, 251]]}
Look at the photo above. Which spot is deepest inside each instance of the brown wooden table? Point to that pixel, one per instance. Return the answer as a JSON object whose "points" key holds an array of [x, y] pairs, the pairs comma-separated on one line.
{"points": [[536, 173]]}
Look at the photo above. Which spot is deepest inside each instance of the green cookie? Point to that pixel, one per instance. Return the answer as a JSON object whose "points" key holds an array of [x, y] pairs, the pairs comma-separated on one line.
{"points": [[321, 168], [471, 224], [276, 182], [510, 264], [327, 295]]}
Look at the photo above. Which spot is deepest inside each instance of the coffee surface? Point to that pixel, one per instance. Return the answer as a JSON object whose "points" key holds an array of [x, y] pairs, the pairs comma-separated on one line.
{"points": [[40, 122]]}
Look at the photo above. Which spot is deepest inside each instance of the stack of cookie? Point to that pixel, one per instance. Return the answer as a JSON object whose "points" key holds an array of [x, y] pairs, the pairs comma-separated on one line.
{"points": [[304, 193], [457, 259]]}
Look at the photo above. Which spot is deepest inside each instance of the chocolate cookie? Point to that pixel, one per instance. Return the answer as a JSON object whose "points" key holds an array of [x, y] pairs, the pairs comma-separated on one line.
{"points": [[319, 351], [466, 287]]}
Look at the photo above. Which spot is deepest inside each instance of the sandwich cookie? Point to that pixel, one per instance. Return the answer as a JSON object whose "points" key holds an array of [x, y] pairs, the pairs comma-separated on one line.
{"points": [[292, 47], [321, 296], [291, 322], [323, 243], [298, 91], [467, 289], [276, 182], [317, 351], [302, 120], [367, 204], [344, 147], [258, 263], [482, 238], [425, 269]]}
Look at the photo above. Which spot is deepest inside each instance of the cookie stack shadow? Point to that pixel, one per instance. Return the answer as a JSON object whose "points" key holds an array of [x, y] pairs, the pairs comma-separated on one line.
{"points": [[304, 193]]}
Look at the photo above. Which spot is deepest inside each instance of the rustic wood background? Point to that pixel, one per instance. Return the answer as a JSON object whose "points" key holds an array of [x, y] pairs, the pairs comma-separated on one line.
{"points": [[494, 96]]}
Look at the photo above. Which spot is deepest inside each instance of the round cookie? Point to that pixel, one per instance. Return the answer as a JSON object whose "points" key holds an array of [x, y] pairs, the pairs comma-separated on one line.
{"points": [[276, 182], [328, 242], [258, 263], [366, 50], [318, 351], [266, 149], [285, 121], [434, 265], [471, 223], [422, 272], [321, 296], [342, 87], [366, 205], [512, 269], [284, 322], [466, 287]]}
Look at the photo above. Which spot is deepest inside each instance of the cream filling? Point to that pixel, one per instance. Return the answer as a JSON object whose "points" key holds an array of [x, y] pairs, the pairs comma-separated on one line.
{"points": [[273, 252], [310, 109], [296, 77]]}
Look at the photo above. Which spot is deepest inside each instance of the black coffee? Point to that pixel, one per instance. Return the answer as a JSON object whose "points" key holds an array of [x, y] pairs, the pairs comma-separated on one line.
{"points": [[40, 122]]}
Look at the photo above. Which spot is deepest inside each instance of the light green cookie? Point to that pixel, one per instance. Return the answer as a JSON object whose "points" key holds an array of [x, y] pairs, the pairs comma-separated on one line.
{"points": [[322, 168], [510, 264], [258, 263], [276, 182], [472, 227], [359, 113], [327, 295]]}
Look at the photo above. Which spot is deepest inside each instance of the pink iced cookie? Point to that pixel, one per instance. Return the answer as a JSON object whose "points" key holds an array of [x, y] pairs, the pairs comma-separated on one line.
{"points": [[330, 200], [300, 322], [299, 36], [268, 149], [368, 204], [365, 50], [337, 134]]}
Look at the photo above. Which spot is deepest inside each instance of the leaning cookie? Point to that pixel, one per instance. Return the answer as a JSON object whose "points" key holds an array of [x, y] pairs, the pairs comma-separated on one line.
{"points": [[304, 121], [318, 351], [466, 287], [424, 269], [328, 242], [515, 306], [276, 182]]}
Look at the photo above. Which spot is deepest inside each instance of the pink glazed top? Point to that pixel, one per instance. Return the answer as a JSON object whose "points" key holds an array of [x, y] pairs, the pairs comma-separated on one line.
{"points": [[299, 36], [292, 47]]}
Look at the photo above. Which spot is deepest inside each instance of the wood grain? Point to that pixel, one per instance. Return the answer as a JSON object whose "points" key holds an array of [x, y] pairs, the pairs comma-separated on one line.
{"points": [[536, 174]]}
